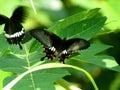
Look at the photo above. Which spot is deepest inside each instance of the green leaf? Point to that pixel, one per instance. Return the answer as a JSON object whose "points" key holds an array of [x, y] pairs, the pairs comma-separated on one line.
{"points": [[91, 56], [85, 29], [47, 66], [3, 45], [12, 63], [73, 19], [43, 79], [21, 63]]}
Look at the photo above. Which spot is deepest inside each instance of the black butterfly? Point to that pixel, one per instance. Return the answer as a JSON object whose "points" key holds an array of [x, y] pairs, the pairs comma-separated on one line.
{"points": [[13, 30], [54, 45]]}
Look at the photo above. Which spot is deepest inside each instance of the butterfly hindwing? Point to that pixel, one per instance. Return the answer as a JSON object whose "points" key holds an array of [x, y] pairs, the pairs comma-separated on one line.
{"points": [[76, 44], [72, 46]]}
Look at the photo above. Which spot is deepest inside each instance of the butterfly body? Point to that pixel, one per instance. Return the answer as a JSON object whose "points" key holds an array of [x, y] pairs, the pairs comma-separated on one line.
{"points": [[14, 31], [54, 45]]}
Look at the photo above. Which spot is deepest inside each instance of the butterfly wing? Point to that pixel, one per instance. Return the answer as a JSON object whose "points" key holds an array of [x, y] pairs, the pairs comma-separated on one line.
{"points": [[3, 19], [76, 44], [71, 46], [19, 14], [42, 36], [48, 39]]}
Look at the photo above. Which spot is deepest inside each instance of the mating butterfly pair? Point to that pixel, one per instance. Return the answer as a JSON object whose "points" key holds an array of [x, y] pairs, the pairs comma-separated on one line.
{"points": [[54, 45]]}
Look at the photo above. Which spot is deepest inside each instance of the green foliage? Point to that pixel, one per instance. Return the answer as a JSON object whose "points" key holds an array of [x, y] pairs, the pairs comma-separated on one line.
{"points": [[61, 24], [92, 56], [82, 29], [82, 25]]}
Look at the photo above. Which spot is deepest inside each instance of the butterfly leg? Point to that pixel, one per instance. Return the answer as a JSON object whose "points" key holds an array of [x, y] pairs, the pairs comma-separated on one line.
{"points": [[20, 45], [43, 58], [9, 41]]}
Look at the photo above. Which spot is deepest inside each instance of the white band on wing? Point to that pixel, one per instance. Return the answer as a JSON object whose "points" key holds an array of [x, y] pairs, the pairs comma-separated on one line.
{"points": [[17, 34]]}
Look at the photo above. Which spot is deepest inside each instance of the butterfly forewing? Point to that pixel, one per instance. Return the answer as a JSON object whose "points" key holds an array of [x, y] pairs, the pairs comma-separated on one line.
{"points": [[42, 36], [48, 39], [19, 14]]}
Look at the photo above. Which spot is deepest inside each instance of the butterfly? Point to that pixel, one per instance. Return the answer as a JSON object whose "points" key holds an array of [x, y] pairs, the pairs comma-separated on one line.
{"points": [[54, 45], [14, 31]]}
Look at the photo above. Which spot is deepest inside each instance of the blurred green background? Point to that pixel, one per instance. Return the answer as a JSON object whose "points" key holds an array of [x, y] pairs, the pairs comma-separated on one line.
{"points": [[50, 11]]}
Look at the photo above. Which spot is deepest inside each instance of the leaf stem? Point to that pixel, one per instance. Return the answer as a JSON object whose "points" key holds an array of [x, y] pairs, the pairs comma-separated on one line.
{"points": [[67, 85], [33, 6], [28, 62]]}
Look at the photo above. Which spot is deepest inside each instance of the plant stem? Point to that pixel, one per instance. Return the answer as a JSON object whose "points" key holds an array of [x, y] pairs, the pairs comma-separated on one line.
{"points": [[67, 85]]}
